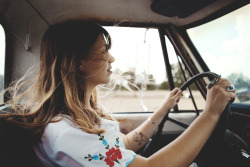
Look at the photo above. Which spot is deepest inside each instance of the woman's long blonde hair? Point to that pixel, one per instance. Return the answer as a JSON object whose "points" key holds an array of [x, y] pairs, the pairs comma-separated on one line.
{"points": [[59, 86]]}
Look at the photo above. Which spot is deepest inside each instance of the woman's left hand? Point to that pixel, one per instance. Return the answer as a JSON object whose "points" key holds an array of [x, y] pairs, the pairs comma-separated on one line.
{"points": [[171, 100]]}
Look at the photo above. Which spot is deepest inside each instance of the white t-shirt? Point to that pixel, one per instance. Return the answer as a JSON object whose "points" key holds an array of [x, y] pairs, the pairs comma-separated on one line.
{"points": [[66, 145]]}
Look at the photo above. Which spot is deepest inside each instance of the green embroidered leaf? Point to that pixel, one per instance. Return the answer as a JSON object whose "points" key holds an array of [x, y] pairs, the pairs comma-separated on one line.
{"points": [[89, 157], [101, 137], [117, 161], [101, 157]]}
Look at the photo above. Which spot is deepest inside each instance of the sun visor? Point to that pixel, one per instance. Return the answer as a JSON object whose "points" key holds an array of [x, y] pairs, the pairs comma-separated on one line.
{"points": [[180, 8]]}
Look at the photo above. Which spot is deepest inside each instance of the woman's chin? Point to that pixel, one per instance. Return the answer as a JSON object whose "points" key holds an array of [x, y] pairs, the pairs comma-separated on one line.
{"points": [[106, 81]]}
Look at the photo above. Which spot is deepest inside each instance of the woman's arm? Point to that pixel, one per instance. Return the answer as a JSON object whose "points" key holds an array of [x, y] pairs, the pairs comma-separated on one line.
{"points": [[137, 138], [185, 148]]}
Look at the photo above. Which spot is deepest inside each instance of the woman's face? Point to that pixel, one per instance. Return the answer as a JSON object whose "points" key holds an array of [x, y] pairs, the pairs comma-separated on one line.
{"points": [[97, 68]]}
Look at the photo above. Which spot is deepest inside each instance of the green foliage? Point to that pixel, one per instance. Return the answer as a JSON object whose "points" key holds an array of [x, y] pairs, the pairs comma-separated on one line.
{"points": [[130, 76], [150, 80], [164, 86], [178, 78]]}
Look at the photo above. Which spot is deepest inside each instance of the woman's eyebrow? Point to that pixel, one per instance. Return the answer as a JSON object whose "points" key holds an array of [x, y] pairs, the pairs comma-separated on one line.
{"points": [[99, 47], [103, 47]]}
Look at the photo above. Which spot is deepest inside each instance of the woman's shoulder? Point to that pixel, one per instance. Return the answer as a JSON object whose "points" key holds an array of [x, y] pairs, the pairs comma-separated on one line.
{"points": [[63, 127], [61, 122], [58, 126], [64, 124]]}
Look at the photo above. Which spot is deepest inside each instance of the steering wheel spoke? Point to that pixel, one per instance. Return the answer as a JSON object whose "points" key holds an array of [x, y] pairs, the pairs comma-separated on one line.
{"points": [[181, 124]]}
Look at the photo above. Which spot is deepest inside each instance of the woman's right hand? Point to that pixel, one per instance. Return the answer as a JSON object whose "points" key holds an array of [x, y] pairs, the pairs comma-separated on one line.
{"points": [[218, 97]]}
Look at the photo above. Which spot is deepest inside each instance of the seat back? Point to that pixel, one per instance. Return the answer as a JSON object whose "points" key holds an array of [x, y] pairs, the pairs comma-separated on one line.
{"points": [[15, 146]]}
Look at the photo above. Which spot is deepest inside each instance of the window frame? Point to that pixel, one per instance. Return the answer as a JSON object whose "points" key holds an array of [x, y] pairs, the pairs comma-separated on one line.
{"points": [[3, 57]]}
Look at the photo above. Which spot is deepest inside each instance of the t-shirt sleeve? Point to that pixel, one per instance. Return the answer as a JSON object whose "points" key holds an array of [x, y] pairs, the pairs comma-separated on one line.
{"points": [[73, 147]]}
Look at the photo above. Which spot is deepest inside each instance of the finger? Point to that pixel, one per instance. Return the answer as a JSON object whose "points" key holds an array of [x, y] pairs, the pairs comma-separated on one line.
{"points": [[174, 91], [223, 82], [178, 99], [232, 97], [179, 94], [230, 88], [232, 100]]}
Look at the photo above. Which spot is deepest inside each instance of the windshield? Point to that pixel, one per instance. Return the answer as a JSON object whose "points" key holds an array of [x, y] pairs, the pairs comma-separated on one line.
{"points": [[224, 45]]}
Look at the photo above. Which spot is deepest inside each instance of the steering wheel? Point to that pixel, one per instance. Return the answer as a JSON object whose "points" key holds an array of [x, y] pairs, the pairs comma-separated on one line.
{"points": [[215, 140]]}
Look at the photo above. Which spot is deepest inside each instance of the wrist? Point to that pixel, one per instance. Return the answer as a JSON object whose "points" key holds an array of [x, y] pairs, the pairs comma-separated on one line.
{"points": [[158, 115], [151, 121], [164, 109], [210, 114]]}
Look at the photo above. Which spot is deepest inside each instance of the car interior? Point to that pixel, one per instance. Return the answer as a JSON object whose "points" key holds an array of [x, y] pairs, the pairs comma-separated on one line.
{"points": [[162, 44]]}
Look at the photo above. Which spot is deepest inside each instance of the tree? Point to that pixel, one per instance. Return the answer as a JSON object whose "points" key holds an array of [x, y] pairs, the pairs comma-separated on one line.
{"points": [[151, 82], [142, 81], [130, 76], [177, 77], [239, 81], [164, 86]]}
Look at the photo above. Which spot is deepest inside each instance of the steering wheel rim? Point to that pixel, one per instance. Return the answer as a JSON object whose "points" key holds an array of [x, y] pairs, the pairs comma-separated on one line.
{"points": [[218, 132], [196, 77]]}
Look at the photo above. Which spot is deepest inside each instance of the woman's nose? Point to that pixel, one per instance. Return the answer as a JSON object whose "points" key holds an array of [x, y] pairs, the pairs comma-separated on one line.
{"points": [[111, 59]]}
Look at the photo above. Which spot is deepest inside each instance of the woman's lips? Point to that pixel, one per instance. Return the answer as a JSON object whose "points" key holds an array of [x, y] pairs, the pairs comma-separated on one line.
{"points": [[109, 70]]}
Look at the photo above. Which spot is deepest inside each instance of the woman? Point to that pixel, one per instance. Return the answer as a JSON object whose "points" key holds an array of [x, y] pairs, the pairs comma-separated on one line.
{"points": [[60, 107]]}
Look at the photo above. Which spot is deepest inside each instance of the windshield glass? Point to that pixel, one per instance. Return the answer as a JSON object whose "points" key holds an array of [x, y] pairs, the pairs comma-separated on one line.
{"points": [[138, 70], [224, 45]]}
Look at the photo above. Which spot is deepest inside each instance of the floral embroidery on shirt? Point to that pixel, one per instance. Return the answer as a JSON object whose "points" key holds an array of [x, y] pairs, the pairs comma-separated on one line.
{"points": [[112, 155], [95, 157], [104, 141]]}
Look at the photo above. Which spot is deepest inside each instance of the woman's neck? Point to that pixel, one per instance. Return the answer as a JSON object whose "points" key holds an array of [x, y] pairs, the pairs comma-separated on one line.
{"points": [[89, 91]]}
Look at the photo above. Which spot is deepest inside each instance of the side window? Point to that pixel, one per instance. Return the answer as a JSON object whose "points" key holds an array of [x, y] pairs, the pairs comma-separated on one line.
{"points": [[139, 64], [224, 45], [2, 60]]}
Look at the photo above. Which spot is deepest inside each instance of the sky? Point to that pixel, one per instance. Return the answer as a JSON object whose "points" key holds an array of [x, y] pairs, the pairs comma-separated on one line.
{"points": [[224, 45], [131, 51]]}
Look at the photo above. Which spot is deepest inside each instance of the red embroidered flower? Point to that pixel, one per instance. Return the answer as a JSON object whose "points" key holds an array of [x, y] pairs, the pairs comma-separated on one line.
{"points": [[109, 162], [112, 155]]}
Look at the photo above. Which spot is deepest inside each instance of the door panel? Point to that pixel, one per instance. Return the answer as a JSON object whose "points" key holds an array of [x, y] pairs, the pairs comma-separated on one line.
{"points": [[129, 121], [240, 121]]}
